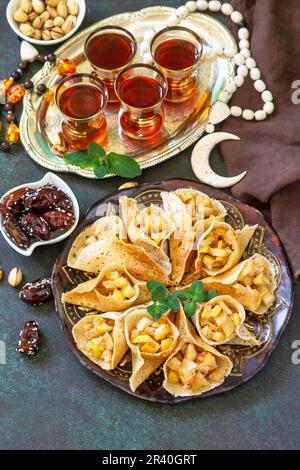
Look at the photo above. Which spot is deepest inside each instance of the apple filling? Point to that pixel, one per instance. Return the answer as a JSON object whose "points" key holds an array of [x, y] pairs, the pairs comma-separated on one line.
{"points": [[151, 221], [99, 340], [256, 276], [193, 368], [152, 336], [216, 248], [117, 286], [219, 322], [199, 206]]}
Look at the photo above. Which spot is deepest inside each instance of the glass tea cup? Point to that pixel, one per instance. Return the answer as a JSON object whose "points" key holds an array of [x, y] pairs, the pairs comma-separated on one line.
{"points": [[141, 89], [109, 50], [81, 98], [176, 51]]}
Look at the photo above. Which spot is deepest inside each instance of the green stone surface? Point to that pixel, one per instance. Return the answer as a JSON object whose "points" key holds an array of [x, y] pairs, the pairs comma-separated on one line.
{"points": [[50, 401]]}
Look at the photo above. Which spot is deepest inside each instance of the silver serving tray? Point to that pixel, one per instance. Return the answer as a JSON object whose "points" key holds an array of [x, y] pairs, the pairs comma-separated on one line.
{"points": [[184, 123]]}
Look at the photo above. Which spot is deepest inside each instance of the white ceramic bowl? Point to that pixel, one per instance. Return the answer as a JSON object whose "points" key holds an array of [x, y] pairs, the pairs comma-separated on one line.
{"points": [[13, 6], [49, 178]]}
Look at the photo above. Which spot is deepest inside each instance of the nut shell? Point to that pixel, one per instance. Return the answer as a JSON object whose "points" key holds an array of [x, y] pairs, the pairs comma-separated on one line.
{"points": [[56, 33], [38, 23], [62, 9], [26, 5], [73, 7], [52, 3], [46, 35], [26, 29], [15, 277], [38, 6], [20, 16], [48, 24], [58, 21], [52, 11]]}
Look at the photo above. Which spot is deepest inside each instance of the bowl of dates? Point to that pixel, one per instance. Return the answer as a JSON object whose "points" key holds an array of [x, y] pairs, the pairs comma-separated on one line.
{"points": [[39, 213]]}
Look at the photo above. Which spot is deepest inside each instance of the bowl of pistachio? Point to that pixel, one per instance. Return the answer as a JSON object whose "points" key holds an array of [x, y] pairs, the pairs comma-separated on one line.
{"points": [[45, 22]]}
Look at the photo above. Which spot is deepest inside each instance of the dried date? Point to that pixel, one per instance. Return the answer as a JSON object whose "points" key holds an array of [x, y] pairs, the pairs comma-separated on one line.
{"points": [[63, 202], [35, 226], [14, 202], [37, 292], [42, 199], [59, 219], [15, 232], [28, 339]]}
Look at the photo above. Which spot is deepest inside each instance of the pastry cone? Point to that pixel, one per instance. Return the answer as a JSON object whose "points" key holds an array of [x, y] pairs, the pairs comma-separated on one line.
{"points": [[181, 242], [148, 228], [194, 367], [200, 206], [113, 289], [135, 259], [102, 338], [151, 342], [251, 282], [219, 248], [221, 320], [106, 228]]}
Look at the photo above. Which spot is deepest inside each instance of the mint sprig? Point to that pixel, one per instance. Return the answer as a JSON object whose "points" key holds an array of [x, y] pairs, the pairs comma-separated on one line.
{"points": [[104, 163], [193, 296], [163, 301]]}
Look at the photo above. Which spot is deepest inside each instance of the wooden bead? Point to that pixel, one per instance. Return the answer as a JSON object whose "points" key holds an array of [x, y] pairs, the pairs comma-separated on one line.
{"points": [[236, 17], [248, 114], [210, 128], [243, 33], [269, 107], [191, 6], [214, 6], [260, 115], [239, 59], [236, 111], [244, 44], [223, 96], [202, 5], [226, 9], [267, 96], [255, 73], [239, 80], [246, 53], [182, 12], [242, 71], [250, 63], [259, 86]]}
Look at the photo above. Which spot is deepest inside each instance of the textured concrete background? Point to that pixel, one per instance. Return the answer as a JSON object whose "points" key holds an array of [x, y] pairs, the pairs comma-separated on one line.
{"points": [[51, 402]]}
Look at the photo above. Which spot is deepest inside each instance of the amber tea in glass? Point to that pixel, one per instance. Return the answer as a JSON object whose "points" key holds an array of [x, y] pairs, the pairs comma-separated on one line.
{"points": [[81, 98], [109, 49], [141, 89], [176, 52]]}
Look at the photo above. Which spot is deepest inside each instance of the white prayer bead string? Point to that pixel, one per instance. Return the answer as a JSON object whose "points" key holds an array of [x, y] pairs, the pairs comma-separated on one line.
{"points": [[242, 59]]}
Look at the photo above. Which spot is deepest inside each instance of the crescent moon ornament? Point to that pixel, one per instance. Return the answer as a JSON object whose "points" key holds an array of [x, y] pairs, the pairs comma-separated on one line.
{"points": [[200, 161]]}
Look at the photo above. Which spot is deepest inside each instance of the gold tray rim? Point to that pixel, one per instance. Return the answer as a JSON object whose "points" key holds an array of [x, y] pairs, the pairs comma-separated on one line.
{"points": [[46, 69]]}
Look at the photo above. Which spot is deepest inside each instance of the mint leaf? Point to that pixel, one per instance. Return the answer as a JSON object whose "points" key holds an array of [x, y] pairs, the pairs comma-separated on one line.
{"points": [[79, 158], [182, 294], [157, 290], [157, 310], [197, 288], [101, 168], [210, 294], [95, 151], [123, 165], [173, 303], [190, 309]]}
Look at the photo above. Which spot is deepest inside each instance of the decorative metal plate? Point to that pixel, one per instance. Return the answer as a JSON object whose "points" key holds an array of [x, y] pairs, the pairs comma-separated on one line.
{"points": [[268, 329], [184, 123]]}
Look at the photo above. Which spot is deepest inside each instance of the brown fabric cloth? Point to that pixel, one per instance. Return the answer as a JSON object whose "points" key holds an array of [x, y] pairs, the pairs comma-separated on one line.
{"points": [[270, 150]]}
